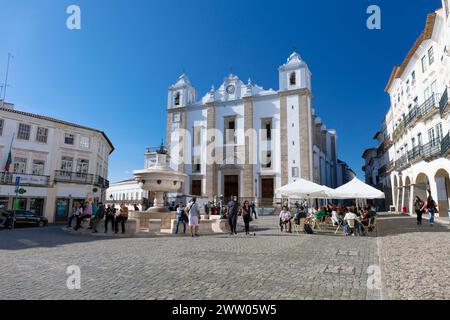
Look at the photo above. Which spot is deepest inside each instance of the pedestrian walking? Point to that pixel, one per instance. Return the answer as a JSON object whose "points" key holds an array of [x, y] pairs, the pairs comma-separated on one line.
{"points": [[253, 209], [181, 217], [246, 216], [431, 207], [233, 211], [194, 217], [418, 205]]}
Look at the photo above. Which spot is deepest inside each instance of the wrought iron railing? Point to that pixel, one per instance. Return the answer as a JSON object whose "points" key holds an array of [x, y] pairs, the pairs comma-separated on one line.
{"points": [[401, 162], [417, 112], [445, 145], [9, 178], [443, 103], [82, 178]]}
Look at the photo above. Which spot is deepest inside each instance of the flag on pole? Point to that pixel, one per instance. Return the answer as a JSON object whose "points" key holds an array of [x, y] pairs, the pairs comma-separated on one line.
{"points": [[9, 159]]}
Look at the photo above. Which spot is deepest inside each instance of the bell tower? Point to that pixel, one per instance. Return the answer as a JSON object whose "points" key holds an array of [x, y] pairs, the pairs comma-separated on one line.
{"points": [[295, 120], [182, 93]]}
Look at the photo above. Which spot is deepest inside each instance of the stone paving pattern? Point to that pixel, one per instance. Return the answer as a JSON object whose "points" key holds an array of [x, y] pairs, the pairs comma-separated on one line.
{"points": [[415, 259], [269, 265]]}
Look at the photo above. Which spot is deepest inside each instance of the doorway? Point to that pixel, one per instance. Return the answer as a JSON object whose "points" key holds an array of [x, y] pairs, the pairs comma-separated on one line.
{"points": [[267, 189], [231, 186]]}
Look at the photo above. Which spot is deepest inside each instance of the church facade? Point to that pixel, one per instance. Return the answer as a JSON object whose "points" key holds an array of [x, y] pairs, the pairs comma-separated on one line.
{"points": [[247, 141]]}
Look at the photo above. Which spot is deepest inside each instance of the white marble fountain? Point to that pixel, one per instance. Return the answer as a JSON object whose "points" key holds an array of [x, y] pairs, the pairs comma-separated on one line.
{"points": [[159, 179]]}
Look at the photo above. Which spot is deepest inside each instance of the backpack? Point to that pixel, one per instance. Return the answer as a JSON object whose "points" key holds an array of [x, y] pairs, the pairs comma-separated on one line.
{"points": [[308, 229]]}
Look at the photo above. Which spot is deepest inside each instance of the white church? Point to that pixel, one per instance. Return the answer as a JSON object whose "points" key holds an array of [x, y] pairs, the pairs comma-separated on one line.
{"points": [[246, 141]]}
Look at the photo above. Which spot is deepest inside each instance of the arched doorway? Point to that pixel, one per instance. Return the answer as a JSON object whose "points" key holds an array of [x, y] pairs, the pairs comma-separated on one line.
{"points": [[442, 181], [421, 186], [407, 203]]}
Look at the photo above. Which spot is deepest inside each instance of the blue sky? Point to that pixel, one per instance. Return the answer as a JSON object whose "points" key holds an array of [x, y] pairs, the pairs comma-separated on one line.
{"points": [[113, 74]]}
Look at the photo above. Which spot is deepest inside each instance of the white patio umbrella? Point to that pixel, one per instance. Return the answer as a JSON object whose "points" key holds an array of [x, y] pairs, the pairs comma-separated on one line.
{"points": [[356, 189], [325, 193], [301, 189]]}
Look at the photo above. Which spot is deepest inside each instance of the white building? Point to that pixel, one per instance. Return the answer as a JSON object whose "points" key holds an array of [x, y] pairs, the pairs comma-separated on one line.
{"points": [[58, 163], [413, 152], [244, 140], [128, 192]]}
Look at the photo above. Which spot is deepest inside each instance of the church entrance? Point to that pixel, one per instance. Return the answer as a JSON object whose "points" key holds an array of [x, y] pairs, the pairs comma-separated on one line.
{"points": [[231, 186], [267, 191]]}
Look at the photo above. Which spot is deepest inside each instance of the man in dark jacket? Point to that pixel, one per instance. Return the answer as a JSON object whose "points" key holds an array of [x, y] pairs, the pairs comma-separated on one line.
{"points": [[233, 210], [110, 216], [99, 215]]}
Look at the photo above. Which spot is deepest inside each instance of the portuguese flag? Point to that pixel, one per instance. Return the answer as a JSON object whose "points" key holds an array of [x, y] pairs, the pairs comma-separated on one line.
{"points": [[9, 160]]}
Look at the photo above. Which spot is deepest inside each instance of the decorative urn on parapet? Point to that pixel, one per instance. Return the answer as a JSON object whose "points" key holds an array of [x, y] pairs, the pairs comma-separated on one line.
{"points": [[159, 179]]}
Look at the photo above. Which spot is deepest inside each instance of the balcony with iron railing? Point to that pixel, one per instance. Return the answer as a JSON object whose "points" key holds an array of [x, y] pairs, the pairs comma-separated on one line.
{"points": [[444, 103], [34, 180], [401, 163], [390, 166], [417, 113], [445, 146], [81, 178]]}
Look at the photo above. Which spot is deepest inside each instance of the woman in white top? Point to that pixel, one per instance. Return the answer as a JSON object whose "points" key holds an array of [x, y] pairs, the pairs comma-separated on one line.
{"points": [[335, 217], [350, 215]]}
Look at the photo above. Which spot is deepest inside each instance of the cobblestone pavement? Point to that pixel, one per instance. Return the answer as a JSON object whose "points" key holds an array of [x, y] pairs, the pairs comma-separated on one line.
{"points": [[415, 259], [270, 265]]}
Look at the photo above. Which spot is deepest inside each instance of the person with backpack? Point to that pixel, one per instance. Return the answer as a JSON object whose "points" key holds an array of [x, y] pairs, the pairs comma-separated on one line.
{"points": [[194, 216], [418, 205], [431, 207]]}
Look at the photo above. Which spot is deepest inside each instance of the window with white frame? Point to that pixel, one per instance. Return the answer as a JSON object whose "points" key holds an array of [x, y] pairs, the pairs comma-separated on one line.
{"points": [[42, 135], [424, 63], [266, 159], [266, 129], [20, 165], [1, 126], [67, 164], [84, 142], [295, 172], [24, 131], [430, 56], [38, 167], [69, 138], [431, 136], [197, 136], [439, 133], [196, 164], [433, 87], [82, 166]]}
